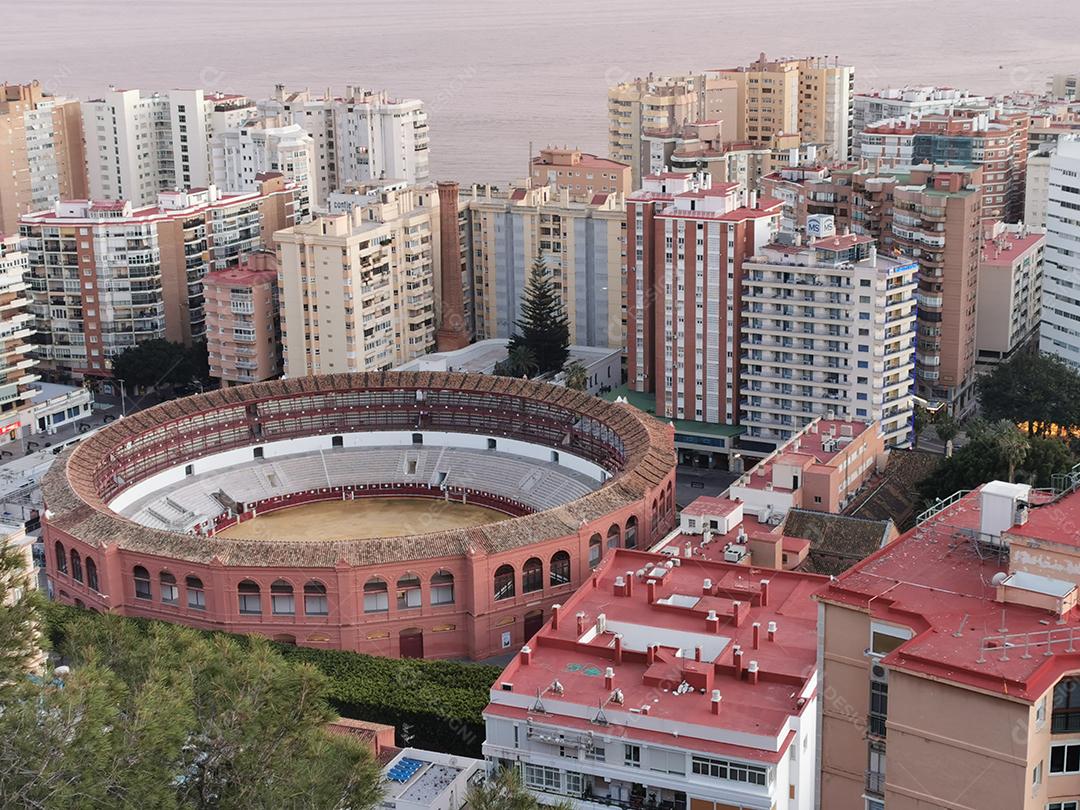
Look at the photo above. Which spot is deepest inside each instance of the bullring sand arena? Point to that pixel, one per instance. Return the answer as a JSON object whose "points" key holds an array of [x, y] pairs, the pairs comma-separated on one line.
{"points": [[363, 519]]}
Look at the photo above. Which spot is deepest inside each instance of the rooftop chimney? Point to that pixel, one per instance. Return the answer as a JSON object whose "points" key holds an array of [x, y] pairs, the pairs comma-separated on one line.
{"points": [[752, 672], [716, 701], [706, 587], [757, 635], [609, 678], [581, 622], [555, 616], [736, 656], [712, 622], [629, 583], [526, 655], [451, 334], [651, 586], [772, 631], [618, 648], [764, 593]]}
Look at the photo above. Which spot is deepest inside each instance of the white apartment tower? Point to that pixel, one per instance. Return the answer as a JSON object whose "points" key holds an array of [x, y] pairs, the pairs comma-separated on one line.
{"points": [[241, 155], [364, 136], [138, 144], [827, 329], [1060, 330]]}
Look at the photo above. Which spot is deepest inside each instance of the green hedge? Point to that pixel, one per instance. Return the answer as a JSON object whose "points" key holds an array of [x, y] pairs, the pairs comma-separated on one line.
{"points": [[433, 704]]}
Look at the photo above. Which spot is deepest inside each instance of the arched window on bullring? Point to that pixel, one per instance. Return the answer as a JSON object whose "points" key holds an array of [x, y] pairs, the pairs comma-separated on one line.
{"points": [[532, 575], [504, 582]]}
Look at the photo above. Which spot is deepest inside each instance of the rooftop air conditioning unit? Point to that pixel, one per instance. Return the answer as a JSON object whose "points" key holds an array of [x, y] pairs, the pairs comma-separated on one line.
{"points": [[878, 673]]}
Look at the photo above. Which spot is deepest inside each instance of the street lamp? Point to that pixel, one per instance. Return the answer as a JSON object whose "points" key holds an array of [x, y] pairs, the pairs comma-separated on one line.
{"points": [[123, 398]]}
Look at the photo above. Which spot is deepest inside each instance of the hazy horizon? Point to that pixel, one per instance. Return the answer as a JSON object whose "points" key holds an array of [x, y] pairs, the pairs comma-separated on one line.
{"points": [[498, 75]]}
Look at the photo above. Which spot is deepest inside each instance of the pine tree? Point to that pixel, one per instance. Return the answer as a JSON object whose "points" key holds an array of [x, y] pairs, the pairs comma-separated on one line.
{"points": [[18, 637], [543, 327]]}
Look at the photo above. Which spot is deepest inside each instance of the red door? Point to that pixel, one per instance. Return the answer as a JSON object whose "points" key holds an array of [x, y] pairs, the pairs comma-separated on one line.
{"points": [[534, 620], [411, 643]]}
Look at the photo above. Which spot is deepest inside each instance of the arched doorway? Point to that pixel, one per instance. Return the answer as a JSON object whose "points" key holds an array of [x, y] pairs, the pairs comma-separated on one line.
{"points": [[534, 620], [411, 643]]}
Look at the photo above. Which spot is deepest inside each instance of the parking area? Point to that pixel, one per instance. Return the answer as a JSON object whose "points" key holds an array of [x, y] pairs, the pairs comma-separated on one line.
{"points": [[690, 482]]}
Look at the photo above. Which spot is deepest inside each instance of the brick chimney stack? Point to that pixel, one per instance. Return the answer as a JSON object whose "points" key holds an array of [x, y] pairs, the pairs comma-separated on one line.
{"points": [[452, 334]]}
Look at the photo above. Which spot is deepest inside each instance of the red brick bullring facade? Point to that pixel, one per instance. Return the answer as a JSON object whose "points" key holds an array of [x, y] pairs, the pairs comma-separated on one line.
{"points": [[481, 589]]}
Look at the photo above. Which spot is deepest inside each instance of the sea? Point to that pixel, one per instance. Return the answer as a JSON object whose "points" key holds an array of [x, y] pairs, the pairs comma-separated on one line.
{"points": [[503, 77]]}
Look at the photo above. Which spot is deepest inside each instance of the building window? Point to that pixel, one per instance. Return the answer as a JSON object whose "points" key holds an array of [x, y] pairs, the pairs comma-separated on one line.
{"points": [[879, 707], [1066, 714], [250, 601], [1065, 758], [442, 588], [315, 601], [408, 592], [196, 594], [170, 594], [532, 576], [1063, 806], [595, 753], [595, 551], [142, 582], [282, 602], [61, 557], [613, 536], [631, 755], [631, 532], [376, 596], [91, 574], [560, 569], [724, 769], [76, 566], [504, 582], [540, 777]]}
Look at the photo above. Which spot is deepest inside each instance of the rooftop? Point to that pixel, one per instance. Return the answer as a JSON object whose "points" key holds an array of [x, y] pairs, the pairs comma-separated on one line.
{"points": [[1008, 246], [986, 613], [668, 654]]}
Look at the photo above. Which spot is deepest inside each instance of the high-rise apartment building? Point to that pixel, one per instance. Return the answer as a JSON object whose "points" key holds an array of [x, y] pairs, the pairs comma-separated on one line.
{"points": [[813, 96], [687, 242], [906, 103], [931, 213], [41, 152], [243, 329], [360, 137], [827, 328], [1060, 330], [17, 370], [1010, 290], [582, 174], [138, 144], [106, 275], [241, 155], [995, 141], [656, 104], [949, 660], [582, 245], [357, 289], [936, 216]]}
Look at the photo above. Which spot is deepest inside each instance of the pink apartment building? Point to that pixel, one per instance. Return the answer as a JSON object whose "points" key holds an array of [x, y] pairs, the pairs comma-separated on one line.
{"points": [[582, 174], [242, 321]]}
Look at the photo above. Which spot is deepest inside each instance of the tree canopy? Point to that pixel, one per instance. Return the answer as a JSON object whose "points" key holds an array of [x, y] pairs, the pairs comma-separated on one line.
{"points": [[543, 327], [998, 451], [156, 715], [577, 375], [1036, 390], [503, 791], [158, 362]]}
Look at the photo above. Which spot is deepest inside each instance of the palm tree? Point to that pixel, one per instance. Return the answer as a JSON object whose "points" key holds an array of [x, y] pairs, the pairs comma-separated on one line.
{"points": [[521, 361], [503, 791], [577, 376], [1011, 444]]}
